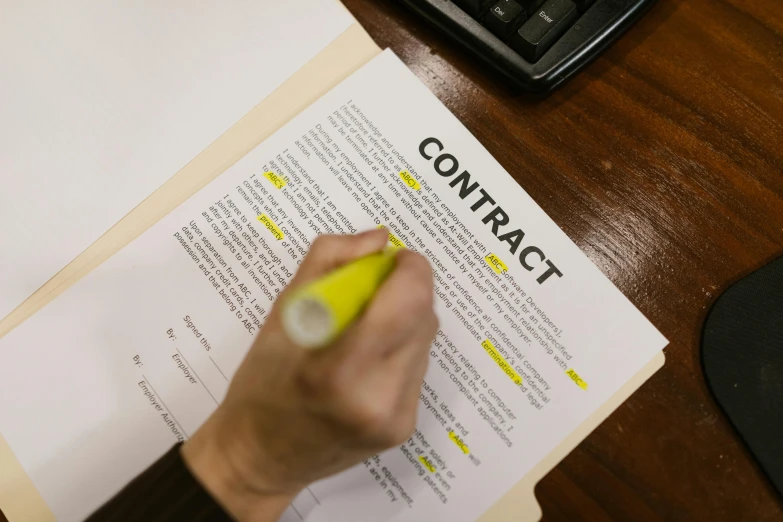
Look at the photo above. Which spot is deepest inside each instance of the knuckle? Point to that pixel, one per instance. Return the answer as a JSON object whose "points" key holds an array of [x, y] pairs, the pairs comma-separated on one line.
{"points": [[385, 424], [374, 418], [402, 431], [397, 432]]}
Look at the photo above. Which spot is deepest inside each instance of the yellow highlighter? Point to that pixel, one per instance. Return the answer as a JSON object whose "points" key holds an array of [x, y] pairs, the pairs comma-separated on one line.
{"points": [[317, 313]]}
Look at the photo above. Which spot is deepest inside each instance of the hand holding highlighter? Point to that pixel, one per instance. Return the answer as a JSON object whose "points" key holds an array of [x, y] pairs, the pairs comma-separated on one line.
{"points": [[293, 416]]}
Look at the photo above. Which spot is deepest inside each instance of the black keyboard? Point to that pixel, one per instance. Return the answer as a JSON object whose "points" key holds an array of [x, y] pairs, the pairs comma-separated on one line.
{"points": [[537, 44]]}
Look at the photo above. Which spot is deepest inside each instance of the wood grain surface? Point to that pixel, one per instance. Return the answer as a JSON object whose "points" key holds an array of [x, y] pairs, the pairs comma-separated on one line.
{"points": [[663, 161]]}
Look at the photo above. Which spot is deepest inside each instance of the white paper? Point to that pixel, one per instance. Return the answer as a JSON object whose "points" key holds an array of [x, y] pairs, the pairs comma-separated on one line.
{"points": [[137, 354], [101, 102]]}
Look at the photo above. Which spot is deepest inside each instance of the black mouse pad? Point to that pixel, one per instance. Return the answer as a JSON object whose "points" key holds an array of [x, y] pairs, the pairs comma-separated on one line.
{"points": [[742, 354]]}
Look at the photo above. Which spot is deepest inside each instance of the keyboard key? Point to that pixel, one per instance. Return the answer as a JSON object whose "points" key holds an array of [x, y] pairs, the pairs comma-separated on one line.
{"points": [[474, 8], [504, 18], [530, 6], [543, 28], [582, 5]]}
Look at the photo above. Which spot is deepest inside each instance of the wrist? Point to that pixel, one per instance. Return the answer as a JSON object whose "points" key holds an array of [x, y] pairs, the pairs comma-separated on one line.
{"points": [[208, 457]]}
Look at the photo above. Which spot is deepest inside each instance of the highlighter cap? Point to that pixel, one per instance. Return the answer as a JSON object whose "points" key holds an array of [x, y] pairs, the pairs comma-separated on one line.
{"points": [[308, 322]]}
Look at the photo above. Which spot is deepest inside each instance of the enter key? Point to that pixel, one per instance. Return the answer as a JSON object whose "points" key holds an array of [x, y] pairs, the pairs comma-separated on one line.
{"points": [[543, 28]]}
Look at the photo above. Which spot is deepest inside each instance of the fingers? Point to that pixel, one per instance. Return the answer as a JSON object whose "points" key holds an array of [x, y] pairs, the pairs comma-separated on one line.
{"points": [[390, 353], [331, 251], [413, 363], [397, 371], [390, 390], [403, 300], [370, 377]]}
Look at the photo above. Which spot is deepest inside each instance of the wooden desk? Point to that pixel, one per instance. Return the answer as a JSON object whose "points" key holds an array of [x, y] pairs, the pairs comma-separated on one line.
{"points": [[663, 161]]}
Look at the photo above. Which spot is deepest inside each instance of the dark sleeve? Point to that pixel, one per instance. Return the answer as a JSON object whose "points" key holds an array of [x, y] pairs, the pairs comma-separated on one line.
{"points": [[165, 491]]}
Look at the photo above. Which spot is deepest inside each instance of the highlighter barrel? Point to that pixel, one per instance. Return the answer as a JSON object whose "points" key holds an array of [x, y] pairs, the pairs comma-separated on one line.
{"points": [[316, 314]]}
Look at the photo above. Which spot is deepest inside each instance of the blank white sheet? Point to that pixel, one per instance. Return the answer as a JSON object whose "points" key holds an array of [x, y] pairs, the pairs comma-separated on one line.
{"points": [[102, 102]]}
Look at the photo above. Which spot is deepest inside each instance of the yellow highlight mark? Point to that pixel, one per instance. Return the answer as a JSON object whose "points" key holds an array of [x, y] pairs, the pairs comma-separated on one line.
{"points": [[500, 361], [578, 380], [459, 442], [410, 180], [270, 225], [428, 464], [277, 180], [394, 240], [496, 264]]}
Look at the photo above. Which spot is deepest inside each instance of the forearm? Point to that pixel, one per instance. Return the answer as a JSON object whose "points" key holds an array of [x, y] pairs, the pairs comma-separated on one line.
{"points": [[166, 491]]}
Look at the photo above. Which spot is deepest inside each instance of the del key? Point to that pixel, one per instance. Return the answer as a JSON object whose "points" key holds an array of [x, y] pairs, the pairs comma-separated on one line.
{"points": [[543, 28]]}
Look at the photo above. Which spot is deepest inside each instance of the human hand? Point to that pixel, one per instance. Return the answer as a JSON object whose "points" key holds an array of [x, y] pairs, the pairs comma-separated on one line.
{"points": [[293, 416]]}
